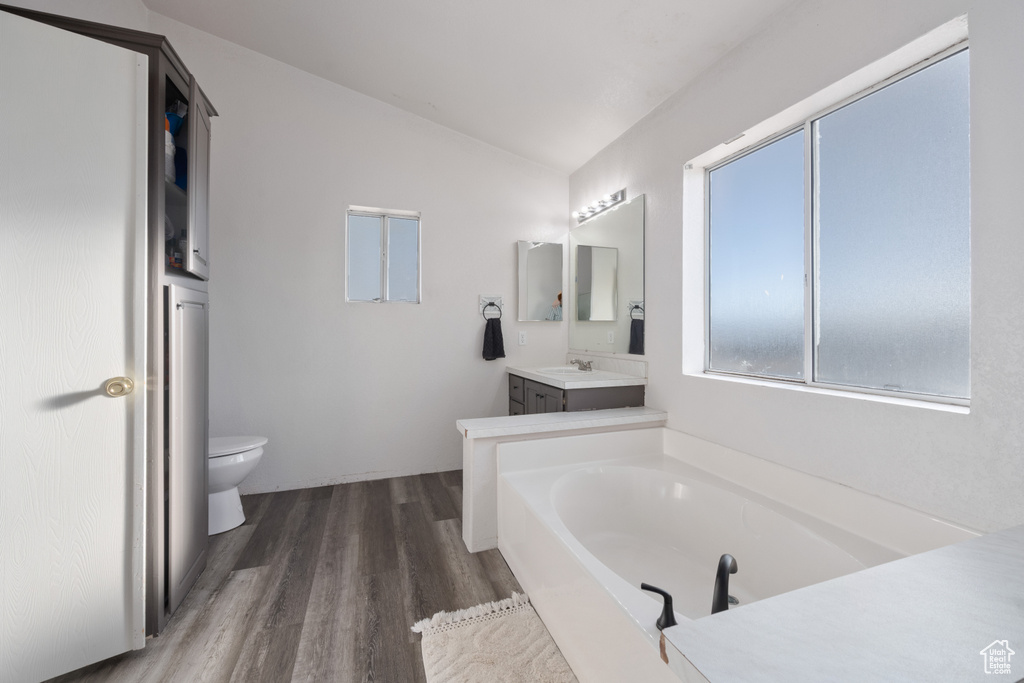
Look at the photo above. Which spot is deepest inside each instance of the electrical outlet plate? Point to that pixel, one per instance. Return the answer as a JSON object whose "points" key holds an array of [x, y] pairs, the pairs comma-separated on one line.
{"points": [[611, 337], [522, 338]]}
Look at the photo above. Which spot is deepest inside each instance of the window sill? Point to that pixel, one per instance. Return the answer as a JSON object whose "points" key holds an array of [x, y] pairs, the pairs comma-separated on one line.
{"points": [[839, 393]]}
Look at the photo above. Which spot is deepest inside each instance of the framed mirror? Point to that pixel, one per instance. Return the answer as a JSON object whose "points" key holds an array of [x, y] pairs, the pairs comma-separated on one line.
{"points": [[606, 281], [540, 281]]}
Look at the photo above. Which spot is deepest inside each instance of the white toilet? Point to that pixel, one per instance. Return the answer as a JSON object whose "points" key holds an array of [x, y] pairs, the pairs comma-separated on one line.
{"points": [[232, 458]]}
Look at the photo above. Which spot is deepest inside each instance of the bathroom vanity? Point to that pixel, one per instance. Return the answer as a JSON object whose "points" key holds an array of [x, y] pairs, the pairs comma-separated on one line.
{"points": [[532, 391]]}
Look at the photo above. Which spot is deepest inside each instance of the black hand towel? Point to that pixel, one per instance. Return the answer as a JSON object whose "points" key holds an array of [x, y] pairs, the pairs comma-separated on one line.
{"points": [[636, 336], [494, 345]]}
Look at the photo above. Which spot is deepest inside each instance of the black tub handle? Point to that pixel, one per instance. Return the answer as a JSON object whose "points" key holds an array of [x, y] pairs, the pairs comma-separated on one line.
{"points": [[668, 615]]}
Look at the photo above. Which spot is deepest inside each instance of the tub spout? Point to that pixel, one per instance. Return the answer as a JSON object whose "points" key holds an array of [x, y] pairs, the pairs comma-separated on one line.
{"points": [[668, 615], [726, 566]]}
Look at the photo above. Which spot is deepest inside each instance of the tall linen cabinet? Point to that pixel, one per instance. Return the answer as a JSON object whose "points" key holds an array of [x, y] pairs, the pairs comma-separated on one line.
{"points": [[177, 376]]}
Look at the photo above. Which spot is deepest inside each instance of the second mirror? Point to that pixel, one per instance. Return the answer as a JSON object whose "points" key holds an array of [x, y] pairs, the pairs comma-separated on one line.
{"points": [[540, 280]]}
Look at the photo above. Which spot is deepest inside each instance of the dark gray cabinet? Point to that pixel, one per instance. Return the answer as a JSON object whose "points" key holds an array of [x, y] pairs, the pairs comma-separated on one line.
{"points": [[529, 397], [179, 207]]}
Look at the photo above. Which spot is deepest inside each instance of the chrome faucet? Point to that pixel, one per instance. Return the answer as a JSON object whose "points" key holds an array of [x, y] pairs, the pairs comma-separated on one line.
{"points": [[584, 365]]}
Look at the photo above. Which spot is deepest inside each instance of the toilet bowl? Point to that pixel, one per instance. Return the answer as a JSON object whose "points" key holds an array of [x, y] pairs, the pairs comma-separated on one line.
{"points": [[232, 458]]}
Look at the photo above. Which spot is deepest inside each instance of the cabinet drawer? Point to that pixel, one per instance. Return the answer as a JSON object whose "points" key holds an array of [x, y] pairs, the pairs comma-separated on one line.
{"points": [[516, 408], [515, 388]]}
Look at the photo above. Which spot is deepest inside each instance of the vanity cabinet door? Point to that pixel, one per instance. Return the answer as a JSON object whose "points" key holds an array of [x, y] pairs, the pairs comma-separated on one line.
{"points": [[533, 405], [553, 400], [188, 320], [197, 256], [541, 398]]}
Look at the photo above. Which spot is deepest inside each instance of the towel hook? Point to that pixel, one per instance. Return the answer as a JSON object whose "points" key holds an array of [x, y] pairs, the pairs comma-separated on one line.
{"points": [[633, 308], [483, 312]]}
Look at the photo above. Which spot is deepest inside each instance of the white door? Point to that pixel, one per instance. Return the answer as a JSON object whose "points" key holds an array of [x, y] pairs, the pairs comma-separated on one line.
{"points": [[72, 316]]}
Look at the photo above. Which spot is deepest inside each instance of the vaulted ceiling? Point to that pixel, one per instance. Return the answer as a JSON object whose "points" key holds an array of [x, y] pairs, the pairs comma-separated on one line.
{"points": [[553, 81]]}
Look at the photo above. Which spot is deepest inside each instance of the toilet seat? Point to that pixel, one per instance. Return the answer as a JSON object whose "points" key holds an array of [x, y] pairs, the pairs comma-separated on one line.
{"points": [[229, 445]]}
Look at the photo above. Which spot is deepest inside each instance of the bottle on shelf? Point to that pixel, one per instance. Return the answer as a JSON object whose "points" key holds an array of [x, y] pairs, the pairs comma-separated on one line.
{"points": [[168, 151]]}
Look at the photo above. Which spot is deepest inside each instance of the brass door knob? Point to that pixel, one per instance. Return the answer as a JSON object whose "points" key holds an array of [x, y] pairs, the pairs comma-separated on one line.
{"points": [[119, 386]]}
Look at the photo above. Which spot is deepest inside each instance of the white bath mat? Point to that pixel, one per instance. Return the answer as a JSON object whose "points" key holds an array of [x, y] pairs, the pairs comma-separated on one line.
{"points": [[497, 641]]}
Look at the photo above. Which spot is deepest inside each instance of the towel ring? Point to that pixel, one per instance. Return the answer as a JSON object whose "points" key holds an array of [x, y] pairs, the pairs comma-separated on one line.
{"points": [[488, 305], [633, 308]]}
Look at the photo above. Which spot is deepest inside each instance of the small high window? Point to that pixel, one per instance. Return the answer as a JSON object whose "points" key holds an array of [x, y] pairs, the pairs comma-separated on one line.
{"points": [[383, 254], [839, 251]]}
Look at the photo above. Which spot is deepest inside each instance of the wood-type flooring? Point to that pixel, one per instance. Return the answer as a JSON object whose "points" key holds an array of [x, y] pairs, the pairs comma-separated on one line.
{"points": [[322, 584]]}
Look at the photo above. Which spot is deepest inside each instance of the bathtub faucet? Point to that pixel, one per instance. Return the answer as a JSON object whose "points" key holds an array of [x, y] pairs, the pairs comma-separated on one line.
{"points": [[726, 566], [668, 615]]}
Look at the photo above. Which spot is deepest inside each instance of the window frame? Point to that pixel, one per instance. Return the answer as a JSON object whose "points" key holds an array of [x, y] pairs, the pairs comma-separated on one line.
{"points": [[805, 123], [384, 215]]}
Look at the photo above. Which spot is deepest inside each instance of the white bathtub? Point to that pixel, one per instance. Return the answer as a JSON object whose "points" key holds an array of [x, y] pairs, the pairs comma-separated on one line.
{"points": [[655, 526], [581, 531]]}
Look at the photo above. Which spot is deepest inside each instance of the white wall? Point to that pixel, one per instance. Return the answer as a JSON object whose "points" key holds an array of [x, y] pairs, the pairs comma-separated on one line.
{"points": [[349, 391], [966, 468], [125, 13]]}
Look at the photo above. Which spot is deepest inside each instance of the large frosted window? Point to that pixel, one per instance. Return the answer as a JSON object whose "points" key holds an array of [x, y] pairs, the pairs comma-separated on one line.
{"points": [[893, 196], [383, 255], [888, 241], [757, 261]]}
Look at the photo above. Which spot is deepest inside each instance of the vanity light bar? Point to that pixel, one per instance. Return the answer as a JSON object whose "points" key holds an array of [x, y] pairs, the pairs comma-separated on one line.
{"points": [[603, 204]]}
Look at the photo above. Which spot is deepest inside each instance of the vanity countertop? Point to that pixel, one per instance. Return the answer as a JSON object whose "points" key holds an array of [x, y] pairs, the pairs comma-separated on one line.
{"points": [[563, 378], [546, 424]]}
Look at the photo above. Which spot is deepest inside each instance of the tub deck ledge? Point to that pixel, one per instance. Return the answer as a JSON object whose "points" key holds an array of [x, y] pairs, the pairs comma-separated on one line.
{"points": [[927, 617]]}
